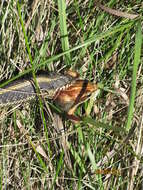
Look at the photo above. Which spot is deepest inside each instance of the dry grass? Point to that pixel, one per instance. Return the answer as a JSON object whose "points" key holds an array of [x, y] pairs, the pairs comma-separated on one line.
{"points": [[98, 153]]}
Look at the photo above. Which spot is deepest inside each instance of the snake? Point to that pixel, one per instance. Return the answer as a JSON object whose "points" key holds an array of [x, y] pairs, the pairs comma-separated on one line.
{"points": [[66, 90], [23, 90]]}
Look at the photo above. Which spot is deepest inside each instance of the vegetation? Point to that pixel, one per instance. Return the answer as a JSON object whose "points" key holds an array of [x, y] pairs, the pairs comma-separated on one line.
{"points": [[41, 149]]}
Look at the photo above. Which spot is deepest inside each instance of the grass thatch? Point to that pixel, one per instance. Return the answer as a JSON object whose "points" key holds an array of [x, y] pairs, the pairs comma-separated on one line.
{"points": [[39, 149]]}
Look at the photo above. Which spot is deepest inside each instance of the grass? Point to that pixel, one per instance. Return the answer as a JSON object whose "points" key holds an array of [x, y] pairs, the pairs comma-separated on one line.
{"points": [[138, 44], [40, 149]]}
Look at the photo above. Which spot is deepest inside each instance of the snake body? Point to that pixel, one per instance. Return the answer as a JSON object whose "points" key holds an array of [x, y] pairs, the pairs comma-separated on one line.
{"points": [[23, 90]]}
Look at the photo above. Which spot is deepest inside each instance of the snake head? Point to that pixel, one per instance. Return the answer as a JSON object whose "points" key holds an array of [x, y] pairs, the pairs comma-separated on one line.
{"points": [[69, 98]]}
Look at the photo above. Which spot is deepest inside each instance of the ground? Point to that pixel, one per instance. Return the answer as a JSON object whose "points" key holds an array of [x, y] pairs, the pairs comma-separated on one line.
{"points": [[41, 149]]}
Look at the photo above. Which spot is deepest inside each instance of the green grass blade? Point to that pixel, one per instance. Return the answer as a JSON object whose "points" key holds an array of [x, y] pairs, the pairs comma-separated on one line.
{"points": [[86, 43], [97, 124], [33, 73], [77, 157], [42, 163], [137, 54], [91, 156], [60, 163], [25, 36], [63, 29]]}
